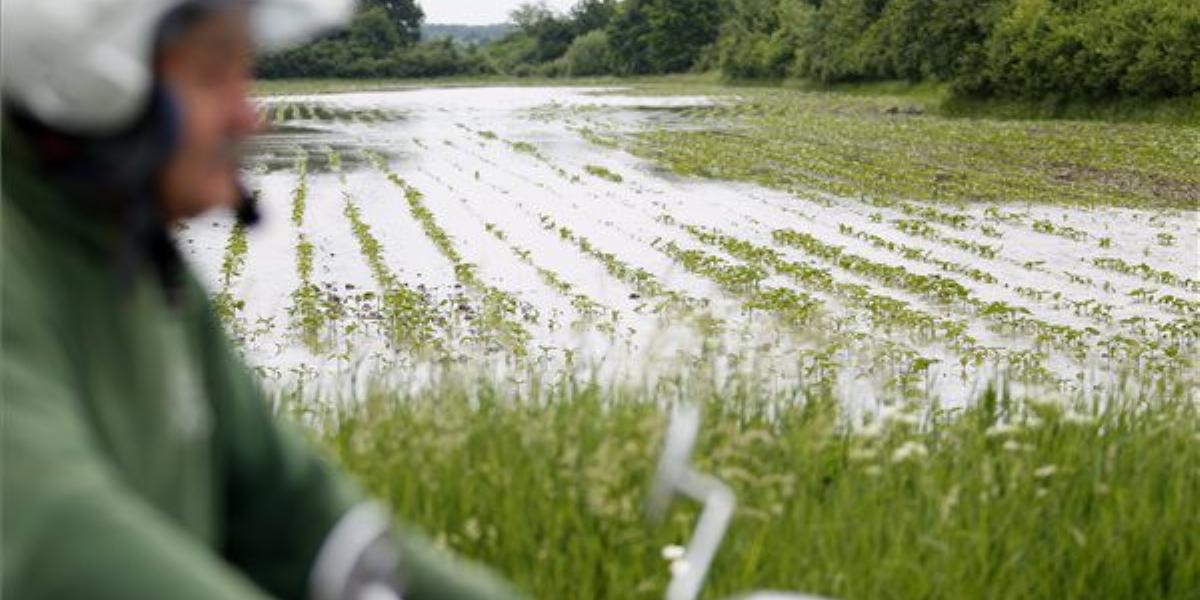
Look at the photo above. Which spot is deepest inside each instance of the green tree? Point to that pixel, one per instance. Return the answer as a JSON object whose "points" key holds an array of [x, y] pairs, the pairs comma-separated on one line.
{"points": [[760, 38], [590, 15], [679, 30], [551, 33], [406, 16], [588, 55], [627, 34], [374, 34]]}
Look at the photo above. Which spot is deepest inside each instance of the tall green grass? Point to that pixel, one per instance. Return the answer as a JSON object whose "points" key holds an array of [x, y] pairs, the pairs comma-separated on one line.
{"points": [[1013, 497]]}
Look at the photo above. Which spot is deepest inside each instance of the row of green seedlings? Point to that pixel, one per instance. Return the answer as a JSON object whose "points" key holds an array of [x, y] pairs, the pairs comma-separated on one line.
{"points": [[924, 229], [590, 311], [1095, 309], [884, 312], [1007, 319], [594, 170], [1146, 273], [902, 369], [590, 135], [1087, 308], [293, 112], [1046, 226], [491, 163], [923, 214], [797, 308], [410, 316], [529, 149], [1049, 227], [502, 314], [284, 112], [669, 304], [658, 298], [308, 311], [1091, 307], [281, 113], [227, 306], [314, 311]]}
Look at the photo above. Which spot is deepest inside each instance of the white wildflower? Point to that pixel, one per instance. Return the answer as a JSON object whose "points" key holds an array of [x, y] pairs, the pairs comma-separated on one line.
{"points": [[1015, 446], [1045, 471], [909, 450], [673, 552], [1074, 417], [471, 529], [872, 430], [680, 567], [1045, 400], [1002, 430], [949, 502], [890, 414], [1078, 536]]}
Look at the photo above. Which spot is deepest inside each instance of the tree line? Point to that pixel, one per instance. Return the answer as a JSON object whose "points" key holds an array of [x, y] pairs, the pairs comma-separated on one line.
{"points": [[1028, 49]]}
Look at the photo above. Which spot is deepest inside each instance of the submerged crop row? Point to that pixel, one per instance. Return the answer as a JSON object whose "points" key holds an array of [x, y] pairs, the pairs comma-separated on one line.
{"points": [[411, 316], [504, 317]]}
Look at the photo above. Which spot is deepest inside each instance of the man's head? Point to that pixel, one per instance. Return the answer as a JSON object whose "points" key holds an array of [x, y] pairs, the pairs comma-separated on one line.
{"points": [[204, 61], [88, 70]]}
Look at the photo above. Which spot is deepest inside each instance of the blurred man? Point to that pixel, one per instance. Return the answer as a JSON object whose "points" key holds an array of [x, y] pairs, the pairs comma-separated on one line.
{"points": [[139, 458]]}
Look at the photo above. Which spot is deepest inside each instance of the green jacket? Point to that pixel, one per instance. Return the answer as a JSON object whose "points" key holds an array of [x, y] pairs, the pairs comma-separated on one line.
{"points": [[139, 457]]}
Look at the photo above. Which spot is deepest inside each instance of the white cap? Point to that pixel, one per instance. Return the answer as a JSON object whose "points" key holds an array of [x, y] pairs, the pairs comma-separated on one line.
{"points": [[84, 66]]}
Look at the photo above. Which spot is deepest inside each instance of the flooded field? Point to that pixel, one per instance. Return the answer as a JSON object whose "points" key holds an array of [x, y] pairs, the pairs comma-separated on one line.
{"points": [[562, 226], [938, 358]]}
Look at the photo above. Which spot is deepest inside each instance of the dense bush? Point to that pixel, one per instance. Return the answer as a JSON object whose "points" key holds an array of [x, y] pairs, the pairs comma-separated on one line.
{"points": [[761, 37], [640, 36], [1093, 48], [1010, 48], [588, 55]]}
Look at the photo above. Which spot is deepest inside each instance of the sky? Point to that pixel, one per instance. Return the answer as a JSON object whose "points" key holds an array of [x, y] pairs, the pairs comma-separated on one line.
{"points": [[477, 12]]}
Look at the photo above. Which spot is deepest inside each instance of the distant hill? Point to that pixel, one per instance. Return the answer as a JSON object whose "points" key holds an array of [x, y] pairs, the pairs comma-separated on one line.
{"points": [[467, 34]]}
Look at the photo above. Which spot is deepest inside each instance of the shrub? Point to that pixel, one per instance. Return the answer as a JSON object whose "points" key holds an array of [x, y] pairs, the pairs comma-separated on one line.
{"points": [[588, 55]]}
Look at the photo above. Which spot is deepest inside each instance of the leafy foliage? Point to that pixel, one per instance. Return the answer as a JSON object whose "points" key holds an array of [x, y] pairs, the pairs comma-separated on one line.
{"points": [[1037, 49]]}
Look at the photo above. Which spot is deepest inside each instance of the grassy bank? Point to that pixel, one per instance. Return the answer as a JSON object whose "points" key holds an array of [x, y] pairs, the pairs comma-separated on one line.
{"points": [[1014, 498]]}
